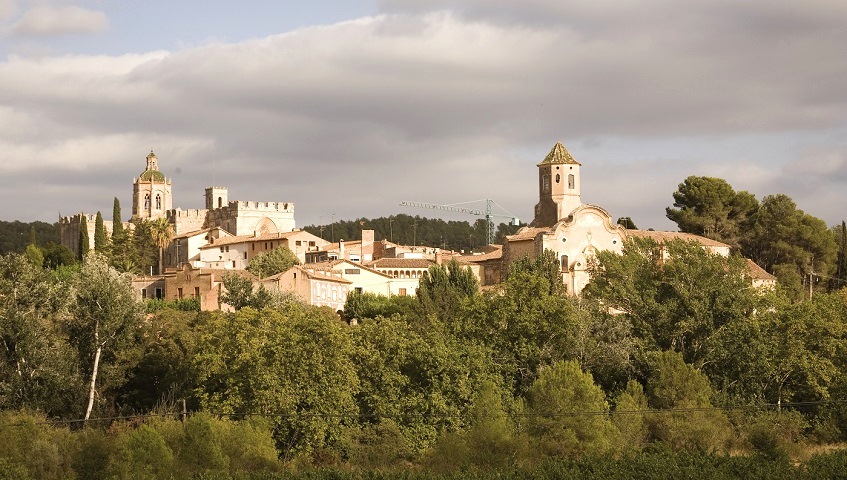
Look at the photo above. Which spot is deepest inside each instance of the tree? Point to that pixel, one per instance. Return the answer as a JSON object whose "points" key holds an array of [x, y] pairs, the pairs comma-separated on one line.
{"points": [[36, 367], [784, 234], [99, 234], [104, 314], [627, 223], [117, 223], [161, 231], [562, 389], [442, 289], [675, 385], [679, 303], [84, 244], [839, 281], [295, 365], [710, 207], [270, 263]]}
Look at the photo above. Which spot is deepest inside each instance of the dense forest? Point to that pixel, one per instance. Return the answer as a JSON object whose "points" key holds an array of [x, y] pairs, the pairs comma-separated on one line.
{"points": [[659, 370]]}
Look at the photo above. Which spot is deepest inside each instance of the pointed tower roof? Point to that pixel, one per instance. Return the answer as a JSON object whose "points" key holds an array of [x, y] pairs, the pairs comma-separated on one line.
{"points": [[558, 155]]}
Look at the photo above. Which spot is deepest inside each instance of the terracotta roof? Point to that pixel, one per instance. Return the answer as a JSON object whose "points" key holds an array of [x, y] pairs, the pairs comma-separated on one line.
{"points": [[247, 239], [660, 237], [402, 263], [464, 259], [308, 274], [558, 155], [758, 273], [527, 233]]}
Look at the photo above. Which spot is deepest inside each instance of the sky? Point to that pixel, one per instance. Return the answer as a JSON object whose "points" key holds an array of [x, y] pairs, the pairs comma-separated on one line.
{"points": [[347, 108]]}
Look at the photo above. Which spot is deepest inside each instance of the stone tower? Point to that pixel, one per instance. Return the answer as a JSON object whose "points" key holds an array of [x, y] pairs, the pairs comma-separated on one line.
{"points": [[151, 192], [558, 187], [216, 197]]}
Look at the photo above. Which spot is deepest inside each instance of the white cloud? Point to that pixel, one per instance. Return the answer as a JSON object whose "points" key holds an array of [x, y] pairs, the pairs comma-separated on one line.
{"points": [[46, 21], [435, 106]]}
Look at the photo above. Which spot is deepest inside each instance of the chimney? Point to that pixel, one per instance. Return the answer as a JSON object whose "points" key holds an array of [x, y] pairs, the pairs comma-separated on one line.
{"points": [[367, 245], [438, 259]]}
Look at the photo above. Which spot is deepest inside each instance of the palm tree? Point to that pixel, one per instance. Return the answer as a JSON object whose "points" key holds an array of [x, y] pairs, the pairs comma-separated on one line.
{"points": [[162, 231]]}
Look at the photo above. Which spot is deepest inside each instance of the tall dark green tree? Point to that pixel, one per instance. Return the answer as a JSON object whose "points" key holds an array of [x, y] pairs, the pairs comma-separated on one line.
{"points": [[442, 289], [839, 280], [84, 245], [99, 234], [710, 207], [117, 224]]}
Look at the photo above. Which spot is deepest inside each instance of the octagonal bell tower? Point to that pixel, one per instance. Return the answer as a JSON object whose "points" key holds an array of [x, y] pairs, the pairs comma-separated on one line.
{"points": [[558, 187], [151, 192]]}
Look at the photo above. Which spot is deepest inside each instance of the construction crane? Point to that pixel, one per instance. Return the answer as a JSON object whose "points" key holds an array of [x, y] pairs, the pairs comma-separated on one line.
{"points": [[489, 215]]}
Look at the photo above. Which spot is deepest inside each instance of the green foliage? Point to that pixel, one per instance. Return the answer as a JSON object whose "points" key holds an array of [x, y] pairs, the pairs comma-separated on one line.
{"points": [[100, 242], [270, 263], [56, 255], [104, 316], [629, 419], [784, 234], [627, 223], [240, 292], [775, 435], [689, 422], [379, 445], [710, 207], [291, 364], [201, 450], [442, 289], [37, 367], [568, 412], [32, 448], [34, 255], [161, 231], [415, 230], [681, 303], [142, 454], [117, 223], [84, 244], [424, 378], [15, 236], [370, 305], [839, 280], [185, 304]]}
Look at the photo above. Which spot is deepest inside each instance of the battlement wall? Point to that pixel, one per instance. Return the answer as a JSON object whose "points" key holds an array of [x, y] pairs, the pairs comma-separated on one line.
{"points": [[260, 207]]}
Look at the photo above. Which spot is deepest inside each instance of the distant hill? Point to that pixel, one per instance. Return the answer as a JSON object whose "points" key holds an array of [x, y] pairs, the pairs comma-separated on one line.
{"points": [[414, 230], [14, 236]]}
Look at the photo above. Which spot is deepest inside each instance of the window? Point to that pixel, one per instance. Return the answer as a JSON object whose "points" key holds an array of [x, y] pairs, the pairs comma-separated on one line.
{"points": [[220, 202], [565, 264], [179, 293], [558, 178], [144, 294], [233, 264], [312, 243], [245, 255], [545, 184], [147, 201], [197, 292], [159, 293], [571, 181], [158, 202], [298, 243], [254, 246], [358, 289], [222, 249], [402, 292]]}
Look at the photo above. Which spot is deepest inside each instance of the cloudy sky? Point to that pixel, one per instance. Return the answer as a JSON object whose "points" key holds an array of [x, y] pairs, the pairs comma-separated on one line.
{"points": [[348, 107]]}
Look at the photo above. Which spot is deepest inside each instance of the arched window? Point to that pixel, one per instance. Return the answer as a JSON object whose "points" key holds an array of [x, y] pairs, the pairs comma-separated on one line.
{"points": [[158, 202], [565, 264], [558, 178], [220, 202], [571, 181], [147, 201]]}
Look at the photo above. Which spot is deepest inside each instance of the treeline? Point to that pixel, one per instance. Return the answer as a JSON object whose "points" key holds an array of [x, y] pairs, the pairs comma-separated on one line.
{"points": [[415, 230], [653, 360], [800, 249], [15, 236]]}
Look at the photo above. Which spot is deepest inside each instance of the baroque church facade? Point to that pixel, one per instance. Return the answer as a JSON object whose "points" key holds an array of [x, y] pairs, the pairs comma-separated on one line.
{"points": [[152, 198]]}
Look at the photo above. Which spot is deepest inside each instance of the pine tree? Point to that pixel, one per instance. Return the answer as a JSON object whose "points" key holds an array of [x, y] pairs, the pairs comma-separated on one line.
{"points": [[99, 233], [32, 237], [83, 237]]}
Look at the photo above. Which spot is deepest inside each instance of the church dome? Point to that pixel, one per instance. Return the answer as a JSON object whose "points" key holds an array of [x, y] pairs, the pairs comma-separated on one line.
{"points": [[152, 176]]}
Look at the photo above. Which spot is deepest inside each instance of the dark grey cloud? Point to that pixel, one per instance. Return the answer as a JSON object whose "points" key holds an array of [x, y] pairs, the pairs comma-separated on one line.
{"points": [[446, 106]]}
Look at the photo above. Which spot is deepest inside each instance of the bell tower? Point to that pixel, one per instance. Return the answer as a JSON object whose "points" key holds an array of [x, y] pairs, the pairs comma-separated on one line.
{"points": [[558, 187], [151, 192]]}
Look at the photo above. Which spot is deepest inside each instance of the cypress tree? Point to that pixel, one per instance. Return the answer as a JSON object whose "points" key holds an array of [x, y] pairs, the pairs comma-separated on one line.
{"points": [[83, 237], [841, 265], [32, 237], [117, 224], [99, 233]]}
